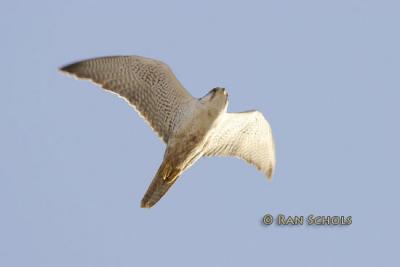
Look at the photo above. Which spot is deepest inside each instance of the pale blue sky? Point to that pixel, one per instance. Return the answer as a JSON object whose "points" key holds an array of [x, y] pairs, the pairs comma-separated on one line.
{"points": [[75, 161]]}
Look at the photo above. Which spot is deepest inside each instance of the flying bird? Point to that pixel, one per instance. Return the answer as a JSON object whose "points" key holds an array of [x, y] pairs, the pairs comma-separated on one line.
{"points": [[190, 127]]}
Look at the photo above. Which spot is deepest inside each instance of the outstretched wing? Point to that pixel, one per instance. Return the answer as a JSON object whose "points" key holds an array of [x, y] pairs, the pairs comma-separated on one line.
{"points": [[148, 85], [246, 135]]}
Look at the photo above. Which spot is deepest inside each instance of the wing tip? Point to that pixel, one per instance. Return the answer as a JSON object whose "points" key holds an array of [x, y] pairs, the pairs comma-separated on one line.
{"points": [[269, 174], [63, 69], [68, 69], [75, 70], [270, 171]]}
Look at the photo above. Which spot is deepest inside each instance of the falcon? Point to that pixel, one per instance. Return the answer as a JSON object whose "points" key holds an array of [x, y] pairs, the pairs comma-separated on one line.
{"points": [[190, 127]]}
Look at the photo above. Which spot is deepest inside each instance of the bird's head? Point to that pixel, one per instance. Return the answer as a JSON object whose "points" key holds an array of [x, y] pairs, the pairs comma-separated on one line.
{"points": [[217, 97]]}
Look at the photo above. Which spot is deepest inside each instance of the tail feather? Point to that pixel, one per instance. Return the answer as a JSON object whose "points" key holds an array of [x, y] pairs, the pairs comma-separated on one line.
{"points": [[162, 182]]}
